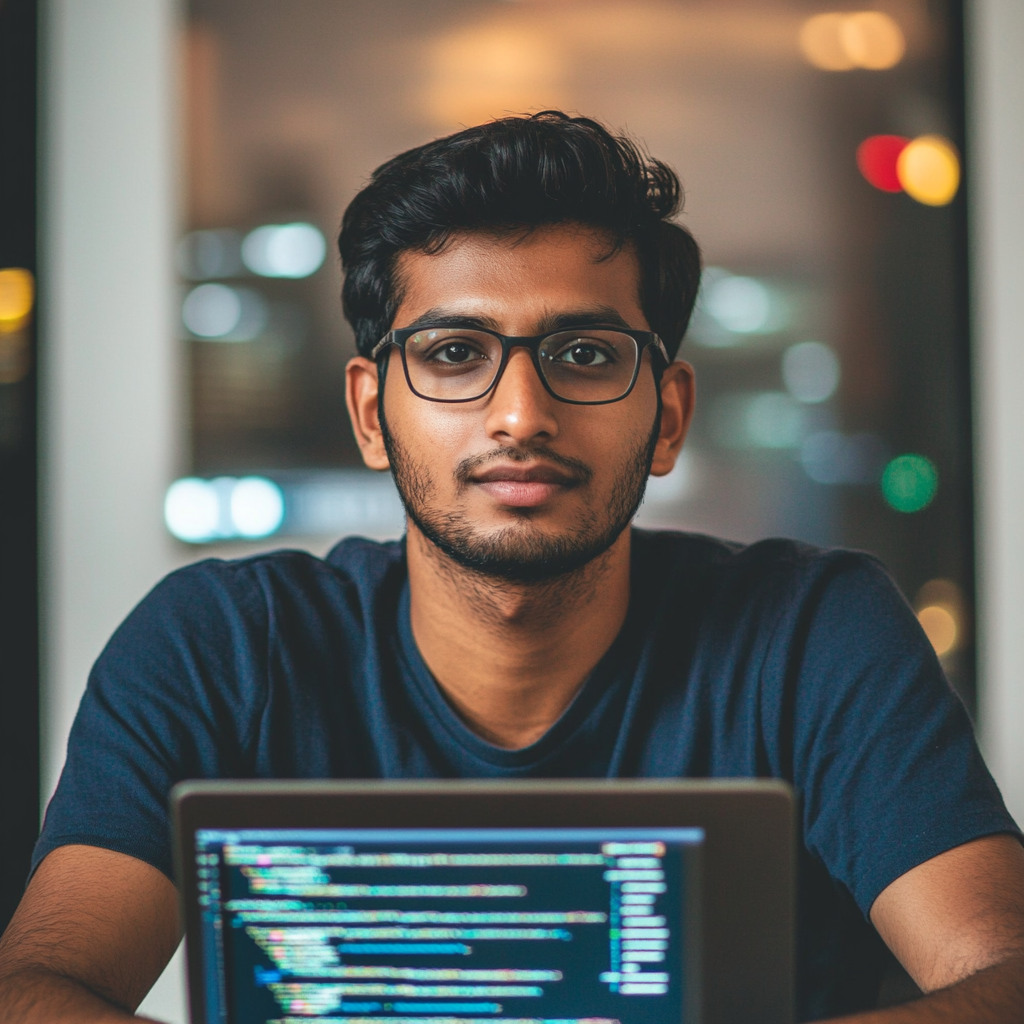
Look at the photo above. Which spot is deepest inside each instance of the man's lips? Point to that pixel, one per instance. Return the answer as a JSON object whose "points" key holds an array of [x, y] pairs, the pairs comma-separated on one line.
{"points": [[522, 486]]}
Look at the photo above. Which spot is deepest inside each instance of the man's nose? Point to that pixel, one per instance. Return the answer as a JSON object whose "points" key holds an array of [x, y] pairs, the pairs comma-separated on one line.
{"points": [[519, 409]]}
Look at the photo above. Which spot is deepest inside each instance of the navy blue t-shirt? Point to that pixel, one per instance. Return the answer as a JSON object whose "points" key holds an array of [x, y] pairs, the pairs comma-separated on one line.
{"points": [[774, 660]]}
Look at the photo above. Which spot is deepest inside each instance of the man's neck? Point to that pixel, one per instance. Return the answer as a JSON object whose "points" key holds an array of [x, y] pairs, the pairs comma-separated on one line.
{"points": [[510, 657]]}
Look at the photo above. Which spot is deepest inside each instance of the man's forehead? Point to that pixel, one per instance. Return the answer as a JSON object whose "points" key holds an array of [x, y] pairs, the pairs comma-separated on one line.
{"points": [[545, 275]]}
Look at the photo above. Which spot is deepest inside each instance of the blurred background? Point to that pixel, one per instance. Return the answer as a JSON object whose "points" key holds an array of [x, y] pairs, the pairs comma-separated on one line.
{"points": [[831, 337], [852, 173]]}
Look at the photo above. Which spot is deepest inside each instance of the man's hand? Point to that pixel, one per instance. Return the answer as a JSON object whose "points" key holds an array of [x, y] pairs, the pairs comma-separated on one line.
{"points": [[956, 923], [91, 935]]}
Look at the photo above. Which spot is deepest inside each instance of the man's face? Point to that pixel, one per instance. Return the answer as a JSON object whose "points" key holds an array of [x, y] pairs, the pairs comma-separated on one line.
{"points": [[518, 485]]}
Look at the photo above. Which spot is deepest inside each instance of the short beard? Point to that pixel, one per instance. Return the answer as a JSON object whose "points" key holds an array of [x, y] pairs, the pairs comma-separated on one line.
{"points": [[516, 554]]}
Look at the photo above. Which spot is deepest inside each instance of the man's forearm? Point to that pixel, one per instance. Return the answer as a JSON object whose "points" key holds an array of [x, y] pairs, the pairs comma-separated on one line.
{"points": [[994, 995], [35, 996]]}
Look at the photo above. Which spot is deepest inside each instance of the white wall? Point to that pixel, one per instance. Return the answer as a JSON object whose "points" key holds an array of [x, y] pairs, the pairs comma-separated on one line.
{"points": [[111, 378], [996, 142]]}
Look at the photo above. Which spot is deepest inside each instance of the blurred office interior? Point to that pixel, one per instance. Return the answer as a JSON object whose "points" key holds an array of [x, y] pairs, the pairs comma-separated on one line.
{"points": [[851, 172]]}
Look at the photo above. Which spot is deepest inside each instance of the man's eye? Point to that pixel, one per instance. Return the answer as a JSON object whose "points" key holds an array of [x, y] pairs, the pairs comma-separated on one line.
{"points": [[582, 354], [456, 352]]}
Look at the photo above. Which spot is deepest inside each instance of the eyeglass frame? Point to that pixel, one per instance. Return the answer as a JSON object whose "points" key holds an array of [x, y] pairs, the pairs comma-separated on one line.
{"points": [[644, 340]]}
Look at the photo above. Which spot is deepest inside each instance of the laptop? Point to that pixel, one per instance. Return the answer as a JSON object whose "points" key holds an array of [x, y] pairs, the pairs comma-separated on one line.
{"points": [[468, 902]]}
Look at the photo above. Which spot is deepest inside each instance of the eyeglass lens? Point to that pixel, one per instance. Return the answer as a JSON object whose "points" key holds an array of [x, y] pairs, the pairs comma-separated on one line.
{"points": [[454, 364]]}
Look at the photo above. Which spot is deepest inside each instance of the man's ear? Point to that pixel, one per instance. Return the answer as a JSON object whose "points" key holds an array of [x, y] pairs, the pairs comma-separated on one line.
{"points": [[678, 393], [363, 400]]}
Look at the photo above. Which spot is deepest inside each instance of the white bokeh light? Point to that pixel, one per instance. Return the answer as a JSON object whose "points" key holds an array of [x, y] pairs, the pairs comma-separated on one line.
{"points": [[257, 507], [739, 304], [773, 420], [284, 250], [810, 371], [192, 509], [211, 310]]}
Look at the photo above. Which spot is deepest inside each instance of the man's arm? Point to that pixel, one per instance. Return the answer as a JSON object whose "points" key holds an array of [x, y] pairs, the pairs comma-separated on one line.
{"points": [[91, 935], [956, 923]]}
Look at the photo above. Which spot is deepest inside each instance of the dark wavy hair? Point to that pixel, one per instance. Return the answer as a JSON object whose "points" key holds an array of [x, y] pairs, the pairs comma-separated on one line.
{"points": [[513, 174]]}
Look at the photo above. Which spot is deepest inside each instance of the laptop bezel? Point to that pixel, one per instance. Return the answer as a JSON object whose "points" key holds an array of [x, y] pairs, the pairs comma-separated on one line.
{"points": [[747, 860]]}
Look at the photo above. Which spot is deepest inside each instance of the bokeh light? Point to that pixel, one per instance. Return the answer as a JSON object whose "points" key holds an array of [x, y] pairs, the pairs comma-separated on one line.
{"points": [[17, 295], [284, 250], [810, 371], [839, 41], [873, 40], [910, 483], [211, 310], [942, 612], [877, 157], [929, 170], [741, 305], [197, 510], [216, 312], [192, 509], [257, 507], [773, 420], [939, 625]]}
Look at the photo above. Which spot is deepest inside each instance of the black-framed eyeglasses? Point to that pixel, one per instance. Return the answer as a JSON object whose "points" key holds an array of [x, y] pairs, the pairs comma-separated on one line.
{"points": [[578, 365]]}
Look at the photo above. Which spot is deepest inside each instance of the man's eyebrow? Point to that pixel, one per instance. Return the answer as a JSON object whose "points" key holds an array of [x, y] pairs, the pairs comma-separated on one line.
{"points": [[584, 317], [441, 317], [589, 317]]}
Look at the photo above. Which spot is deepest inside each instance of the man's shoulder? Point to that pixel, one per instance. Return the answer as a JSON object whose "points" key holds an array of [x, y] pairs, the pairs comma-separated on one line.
{"points": [[774, 559], [263, 591], [773, 587], [354, 560]]}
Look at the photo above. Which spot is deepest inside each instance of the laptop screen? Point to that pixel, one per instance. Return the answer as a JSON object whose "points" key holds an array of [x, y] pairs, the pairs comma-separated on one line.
{"points": [[449, 926]]}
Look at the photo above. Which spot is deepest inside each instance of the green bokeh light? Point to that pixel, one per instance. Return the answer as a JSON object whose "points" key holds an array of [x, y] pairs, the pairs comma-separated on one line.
{"points": [[910, 483]]}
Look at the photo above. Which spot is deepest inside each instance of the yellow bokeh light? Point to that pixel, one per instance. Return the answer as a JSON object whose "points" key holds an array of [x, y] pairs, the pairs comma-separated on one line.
{"points": [[929, 170], [821, 41], [872, 40], [940, 626], [17, 295], [862, 39]]}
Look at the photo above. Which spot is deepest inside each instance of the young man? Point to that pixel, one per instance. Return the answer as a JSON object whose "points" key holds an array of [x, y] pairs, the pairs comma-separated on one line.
{"points": [[518, 294]]}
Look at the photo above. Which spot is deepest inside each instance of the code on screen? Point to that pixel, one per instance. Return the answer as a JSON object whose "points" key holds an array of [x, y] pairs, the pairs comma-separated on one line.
{"points": [[448, 926]]}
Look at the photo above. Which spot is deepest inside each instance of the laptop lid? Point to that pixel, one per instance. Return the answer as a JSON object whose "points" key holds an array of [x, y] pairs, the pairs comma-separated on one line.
{"points": [[555, 902]]}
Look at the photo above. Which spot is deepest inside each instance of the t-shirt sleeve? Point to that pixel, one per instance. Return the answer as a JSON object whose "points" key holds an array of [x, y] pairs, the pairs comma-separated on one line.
{"points": [[884, 755], [177, 693]]}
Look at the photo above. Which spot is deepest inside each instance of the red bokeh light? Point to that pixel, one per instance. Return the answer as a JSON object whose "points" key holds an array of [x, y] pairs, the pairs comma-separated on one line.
{"points": [[876, 158]]}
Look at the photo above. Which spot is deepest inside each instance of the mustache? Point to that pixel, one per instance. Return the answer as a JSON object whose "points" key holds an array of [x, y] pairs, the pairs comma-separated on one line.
{"points": [[578, 470]]}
